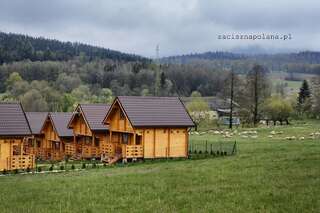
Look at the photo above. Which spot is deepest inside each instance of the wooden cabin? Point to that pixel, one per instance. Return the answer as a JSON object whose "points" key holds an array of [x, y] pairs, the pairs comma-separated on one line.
{"points": [[36, 144], [90, 135], [148, 127], [56, 135], [14, 129]]}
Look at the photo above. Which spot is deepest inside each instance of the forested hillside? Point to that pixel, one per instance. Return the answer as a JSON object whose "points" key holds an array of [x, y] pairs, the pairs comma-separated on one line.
{"points": [[49, 75], [302, 62], [16, 47]]}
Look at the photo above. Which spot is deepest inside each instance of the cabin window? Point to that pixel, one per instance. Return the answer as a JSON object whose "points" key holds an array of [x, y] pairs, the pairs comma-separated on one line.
{"points": [[138, 139], [56, 145], [122, 116], [164, 131], [177, 131], [125, 138], [147, 131], [172, 131], [96, 141], [38, 143], [16, 150]]}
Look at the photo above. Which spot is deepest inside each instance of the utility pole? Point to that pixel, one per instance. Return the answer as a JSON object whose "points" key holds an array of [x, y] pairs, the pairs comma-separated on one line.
{"points": [[157, 83], [231, 99]]}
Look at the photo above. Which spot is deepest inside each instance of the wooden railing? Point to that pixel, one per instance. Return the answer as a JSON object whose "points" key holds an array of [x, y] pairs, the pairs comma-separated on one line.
{"points": [[132, 151], [70, 149], [107, 149], [90, 151], [21, 162]]}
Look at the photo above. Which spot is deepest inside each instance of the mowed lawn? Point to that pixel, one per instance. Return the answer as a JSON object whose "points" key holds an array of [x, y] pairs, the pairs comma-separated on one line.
{"points": [[267, 175]]}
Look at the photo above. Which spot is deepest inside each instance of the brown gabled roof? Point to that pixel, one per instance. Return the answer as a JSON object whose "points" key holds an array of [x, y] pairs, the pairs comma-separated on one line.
{"points": [[60, 122], [155, 111], [13, 121], [94, 115], [36, 121]]}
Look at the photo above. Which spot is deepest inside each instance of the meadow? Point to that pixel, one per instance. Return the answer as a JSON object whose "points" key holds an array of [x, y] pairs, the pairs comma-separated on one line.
{"points": [[268, 174]]}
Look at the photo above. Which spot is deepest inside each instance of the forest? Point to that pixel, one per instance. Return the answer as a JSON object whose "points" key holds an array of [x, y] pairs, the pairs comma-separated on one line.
{"points": [[49, 75]]}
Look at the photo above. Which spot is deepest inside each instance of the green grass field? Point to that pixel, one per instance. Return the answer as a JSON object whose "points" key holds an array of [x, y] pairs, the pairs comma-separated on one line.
{"points": [[267, 175]]}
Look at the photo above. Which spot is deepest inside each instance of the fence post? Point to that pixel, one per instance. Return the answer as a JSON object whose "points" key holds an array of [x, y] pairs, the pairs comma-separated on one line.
{"points": [[234, 150], [206, 146]]}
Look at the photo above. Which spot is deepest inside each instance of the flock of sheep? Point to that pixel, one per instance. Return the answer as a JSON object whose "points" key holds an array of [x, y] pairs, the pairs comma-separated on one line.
{"points": [[254, 134]]}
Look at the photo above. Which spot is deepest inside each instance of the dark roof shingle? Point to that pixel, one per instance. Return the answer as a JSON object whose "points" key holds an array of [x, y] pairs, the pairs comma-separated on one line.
{"points": [[94, 114], [36, 121], [155, 111], [60, 121], [13, 121]]}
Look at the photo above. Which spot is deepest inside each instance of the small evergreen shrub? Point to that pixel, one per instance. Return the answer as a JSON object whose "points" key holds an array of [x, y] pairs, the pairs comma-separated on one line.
{"points": [[4, 171], [94, 165], [61, 167], [73, 167], [83, 166], [28, 170], [16, 171], [39, 169], [51, 167]]}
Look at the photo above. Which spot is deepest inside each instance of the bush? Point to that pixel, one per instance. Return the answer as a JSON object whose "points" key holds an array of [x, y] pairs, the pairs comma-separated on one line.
{"points": [[16, 171], [73, 167], [51, 168], [104, 165], [83, 166], [4, 171], [61, 167], [39, 169], [28, 169], [94, 165]]}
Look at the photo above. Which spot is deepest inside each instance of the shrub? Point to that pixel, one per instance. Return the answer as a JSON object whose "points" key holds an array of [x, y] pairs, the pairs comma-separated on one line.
{"points": [[73, 167], [51, 167], [39, 169], [4, 171], [28, 169], [61, 167], [104, 165], [94, 165], [16, 171], [195, 151], [83, 166]]}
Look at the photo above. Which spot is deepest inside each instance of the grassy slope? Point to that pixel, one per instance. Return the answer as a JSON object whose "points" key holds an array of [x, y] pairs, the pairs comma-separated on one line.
{"points": [[268, 175]]}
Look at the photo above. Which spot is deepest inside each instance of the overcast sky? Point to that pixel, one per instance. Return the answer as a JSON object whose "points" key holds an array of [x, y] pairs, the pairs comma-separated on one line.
{"points": [[178, 26]]}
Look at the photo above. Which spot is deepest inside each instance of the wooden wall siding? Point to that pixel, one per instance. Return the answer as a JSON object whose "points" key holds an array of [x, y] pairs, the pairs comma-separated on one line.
{"points": [[117, 122], [148, 143], [165, 142], [80, 126], [161, 143], [9, 161]]}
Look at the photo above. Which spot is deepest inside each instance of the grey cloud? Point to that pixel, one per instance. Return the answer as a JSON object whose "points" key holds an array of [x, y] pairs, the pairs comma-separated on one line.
{"points": [[180, 26]]}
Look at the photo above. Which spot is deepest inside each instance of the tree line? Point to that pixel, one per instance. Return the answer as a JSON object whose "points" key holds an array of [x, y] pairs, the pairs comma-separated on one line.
{"points": [[16, 47]]}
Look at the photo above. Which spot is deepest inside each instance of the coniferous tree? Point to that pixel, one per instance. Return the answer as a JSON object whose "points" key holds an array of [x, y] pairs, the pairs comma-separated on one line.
{"points": [[304, 103]]}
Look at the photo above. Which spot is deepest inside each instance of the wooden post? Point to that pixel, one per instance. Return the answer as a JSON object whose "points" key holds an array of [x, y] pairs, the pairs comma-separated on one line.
{"points": [[154, 142], [134, 138], [187, 142], [169, 132], [143, 148]]}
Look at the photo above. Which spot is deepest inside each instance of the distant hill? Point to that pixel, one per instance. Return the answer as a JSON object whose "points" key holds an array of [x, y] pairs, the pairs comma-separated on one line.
{"points": [[17, 47], [310, 57]]}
